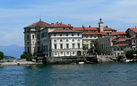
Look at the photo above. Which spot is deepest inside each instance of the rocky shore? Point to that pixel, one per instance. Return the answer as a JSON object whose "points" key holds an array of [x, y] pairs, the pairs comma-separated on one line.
{"points": [[18, 63]]}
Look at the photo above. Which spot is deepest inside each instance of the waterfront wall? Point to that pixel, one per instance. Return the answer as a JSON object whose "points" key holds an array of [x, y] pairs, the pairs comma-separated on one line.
{"points": [[106, 58], [52, 60]]}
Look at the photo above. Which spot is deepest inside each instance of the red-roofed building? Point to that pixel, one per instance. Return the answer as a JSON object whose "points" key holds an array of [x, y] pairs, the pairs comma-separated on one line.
{"points": [[121, 45], [60, 25], [132, 32], [55, 40], [40, 24], [94, 29], [58, 39], [65, 31]]}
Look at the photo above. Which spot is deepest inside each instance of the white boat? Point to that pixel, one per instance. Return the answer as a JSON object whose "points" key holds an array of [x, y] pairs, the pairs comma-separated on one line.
{"points": [[128, 60], [81, 62]]}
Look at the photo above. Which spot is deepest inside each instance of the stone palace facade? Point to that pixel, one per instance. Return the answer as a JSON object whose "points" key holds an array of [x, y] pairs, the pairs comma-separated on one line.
{"points": [[58, 39]]}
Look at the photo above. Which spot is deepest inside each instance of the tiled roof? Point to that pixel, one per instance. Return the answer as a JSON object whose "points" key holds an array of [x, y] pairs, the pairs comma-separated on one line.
{"points": [[113, 37], [119, 33], [58, 25], [40, 23], [133, 29], [109, 29], [121, 45], [121, 39], [78, 28], [92, 28], [94, 33], [63, 31], [133, 37], [44, 24]]}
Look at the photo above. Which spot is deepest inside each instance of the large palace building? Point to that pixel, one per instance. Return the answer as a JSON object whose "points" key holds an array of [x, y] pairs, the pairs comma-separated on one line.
{"points": [[58, 39], [54, 40]]}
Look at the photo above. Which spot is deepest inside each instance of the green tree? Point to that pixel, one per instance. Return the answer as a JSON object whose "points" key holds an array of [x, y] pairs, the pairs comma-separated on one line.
{"points": [[1, 55], [94, 43], [27, 56], [129, 54], [23, 56], [135, 51], [85, 48]]}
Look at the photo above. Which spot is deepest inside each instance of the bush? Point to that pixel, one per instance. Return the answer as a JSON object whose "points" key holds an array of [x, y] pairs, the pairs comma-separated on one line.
{"points": [[129, 54], [1, 55], [27, 56], [23, 56]]}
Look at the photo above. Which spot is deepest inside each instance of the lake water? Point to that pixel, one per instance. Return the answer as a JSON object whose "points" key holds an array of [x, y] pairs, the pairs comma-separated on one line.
{"points": [[109, 74]]}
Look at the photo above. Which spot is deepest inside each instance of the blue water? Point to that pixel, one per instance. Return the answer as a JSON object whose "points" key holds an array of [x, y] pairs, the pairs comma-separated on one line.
{"points": [[110, 74]]}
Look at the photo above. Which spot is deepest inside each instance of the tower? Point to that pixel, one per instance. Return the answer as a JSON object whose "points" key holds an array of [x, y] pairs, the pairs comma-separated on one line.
{"points": [[101, 26]]}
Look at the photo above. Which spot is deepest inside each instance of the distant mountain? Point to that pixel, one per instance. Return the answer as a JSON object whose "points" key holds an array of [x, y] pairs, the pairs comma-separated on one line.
{"points": [[12, 50]]}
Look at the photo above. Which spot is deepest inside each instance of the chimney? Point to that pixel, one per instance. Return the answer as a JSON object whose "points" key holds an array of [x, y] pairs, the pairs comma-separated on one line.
{"points": [[69, 24], [52, 23], [89, 25], [106, 26]]}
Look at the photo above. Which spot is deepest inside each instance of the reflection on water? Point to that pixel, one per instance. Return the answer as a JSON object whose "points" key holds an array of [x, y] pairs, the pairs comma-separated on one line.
{"points": [[112, 74]]}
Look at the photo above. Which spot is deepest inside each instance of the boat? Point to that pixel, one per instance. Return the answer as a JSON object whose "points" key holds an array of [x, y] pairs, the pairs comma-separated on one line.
{"points": [[81, 62]]}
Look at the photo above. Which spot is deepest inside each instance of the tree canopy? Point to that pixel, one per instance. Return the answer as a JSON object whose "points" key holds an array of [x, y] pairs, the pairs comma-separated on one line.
{"points": [[1, 55], [129, 54]]}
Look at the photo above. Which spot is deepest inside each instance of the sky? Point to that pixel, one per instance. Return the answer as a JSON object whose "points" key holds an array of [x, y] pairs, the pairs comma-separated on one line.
{"points": [[17, 14]]}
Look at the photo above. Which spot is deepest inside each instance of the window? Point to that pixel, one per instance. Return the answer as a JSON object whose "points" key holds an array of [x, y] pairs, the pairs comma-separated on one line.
{"points": [[55, 53], [38, 49], [73, 46], [67, 46], [78, 46], [73, 40], [33, 36], [87, 36], [42, 35], [28, 49], [67, 40], [60, 34], [134, 41], [54, 34], [55, 46], [61, 46], [38, 42], [118, 49], [72, 34], [27, 42], [66, 34], [46, 47], [37, 36], [94, 36], [61, 40], [78, 34], [61, 53], [67, 53], [55, 40], [27, 37]]}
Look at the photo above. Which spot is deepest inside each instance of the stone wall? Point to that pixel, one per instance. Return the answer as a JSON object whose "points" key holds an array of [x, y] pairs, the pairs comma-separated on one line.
{"points": [[106, 58]]}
